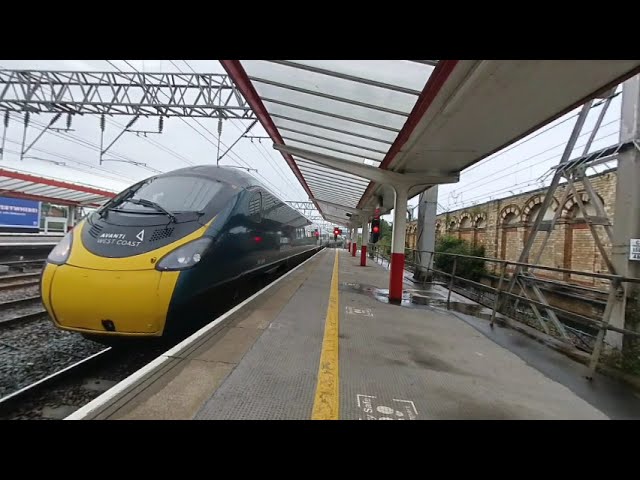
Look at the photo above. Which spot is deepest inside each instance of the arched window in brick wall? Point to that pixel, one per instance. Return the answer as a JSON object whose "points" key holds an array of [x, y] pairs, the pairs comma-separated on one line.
{"points": [[530, 212], [480, 225], [465, 232], [452, 226], [580, 250], [410, 237], [510, 247]]}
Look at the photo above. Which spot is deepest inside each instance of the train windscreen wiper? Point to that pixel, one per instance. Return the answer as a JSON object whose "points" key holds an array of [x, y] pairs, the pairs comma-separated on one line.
{"points": [[119, 201], [150, 204]]}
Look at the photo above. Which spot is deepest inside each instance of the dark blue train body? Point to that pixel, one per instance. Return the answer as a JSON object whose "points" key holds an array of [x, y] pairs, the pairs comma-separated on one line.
{"points": [[168, 248]]}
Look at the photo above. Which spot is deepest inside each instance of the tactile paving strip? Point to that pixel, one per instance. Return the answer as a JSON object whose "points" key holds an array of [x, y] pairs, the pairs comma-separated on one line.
{"points": [[276, 379]]}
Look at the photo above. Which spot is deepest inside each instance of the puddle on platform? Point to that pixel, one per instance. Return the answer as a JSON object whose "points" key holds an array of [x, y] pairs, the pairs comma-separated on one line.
{"points": [[429, 297]]}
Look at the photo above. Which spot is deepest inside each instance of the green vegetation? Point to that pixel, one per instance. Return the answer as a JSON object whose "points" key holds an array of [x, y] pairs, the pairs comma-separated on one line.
{"points": [[627, 360], [469, 268], [385, 234]]}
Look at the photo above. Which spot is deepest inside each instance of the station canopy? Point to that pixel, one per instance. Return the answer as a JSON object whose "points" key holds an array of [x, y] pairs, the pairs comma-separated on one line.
{"points": [[17, 184], [409, 116]]}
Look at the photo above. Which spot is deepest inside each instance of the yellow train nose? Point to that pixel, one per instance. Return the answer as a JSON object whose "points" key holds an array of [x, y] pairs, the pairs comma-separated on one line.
{"points": [[131, 302]]}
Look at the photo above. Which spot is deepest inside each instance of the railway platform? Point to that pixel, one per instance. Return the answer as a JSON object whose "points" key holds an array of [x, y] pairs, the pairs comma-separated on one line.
{"points": [[323, 342]]}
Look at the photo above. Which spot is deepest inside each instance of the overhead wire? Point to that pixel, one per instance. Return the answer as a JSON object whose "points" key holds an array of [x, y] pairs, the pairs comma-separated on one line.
{"points": [[65, 165], [267, 158], [514, 186], [537, 134], [85, 143], [237, 158], [467, 185], [276, 168], [71, 159]]}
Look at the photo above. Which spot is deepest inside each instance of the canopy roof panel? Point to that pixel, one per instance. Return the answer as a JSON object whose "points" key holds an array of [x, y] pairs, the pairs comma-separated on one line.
{"points": [[487, 105], [350, 110], [32, 187], [413, 116]]}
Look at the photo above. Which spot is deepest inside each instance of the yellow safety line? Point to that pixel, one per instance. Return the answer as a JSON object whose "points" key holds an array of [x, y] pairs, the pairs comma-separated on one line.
{"points": [[327, 402]]}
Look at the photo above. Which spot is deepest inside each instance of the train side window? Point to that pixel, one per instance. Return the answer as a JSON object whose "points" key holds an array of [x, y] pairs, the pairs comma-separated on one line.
{"points": [[255, 207]]}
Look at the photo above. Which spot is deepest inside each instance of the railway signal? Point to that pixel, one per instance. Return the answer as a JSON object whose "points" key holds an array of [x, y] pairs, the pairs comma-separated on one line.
{"points": [[375, 227]]}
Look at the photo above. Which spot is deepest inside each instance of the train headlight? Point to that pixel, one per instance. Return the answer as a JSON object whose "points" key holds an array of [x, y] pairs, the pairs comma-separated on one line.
{"points": [[185, 256], [60, 252]]}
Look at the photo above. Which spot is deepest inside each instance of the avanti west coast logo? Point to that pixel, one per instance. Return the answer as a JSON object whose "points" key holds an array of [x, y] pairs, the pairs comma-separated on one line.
{"points": [[120, 239]]}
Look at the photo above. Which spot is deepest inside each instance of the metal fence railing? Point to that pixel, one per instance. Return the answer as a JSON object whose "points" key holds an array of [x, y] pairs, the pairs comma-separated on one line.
{"points": [[517, 295]]}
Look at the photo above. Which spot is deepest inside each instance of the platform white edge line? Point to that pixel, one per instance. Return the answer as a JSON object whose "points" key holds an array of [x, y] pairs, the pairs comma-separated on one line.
{"points": [[32, 235], [25, 244], [129, 381]]}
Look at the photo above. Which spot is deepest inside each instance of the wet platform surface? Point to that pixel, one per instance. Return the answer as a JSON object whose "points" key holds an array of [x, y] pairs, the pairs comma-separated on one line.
{"points": [[392, 362]]}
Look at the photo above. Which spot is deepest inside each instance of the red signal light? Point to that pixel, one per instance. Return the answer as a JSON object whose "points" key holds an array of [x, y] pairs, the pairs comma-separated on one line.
{"points": [[376, 229], [257, 239]]}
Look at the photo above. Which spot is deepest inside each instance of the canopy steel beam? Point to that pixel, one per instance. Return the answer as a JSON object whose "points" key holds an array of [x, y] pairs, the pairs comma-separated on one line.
{"points": [[344, 76], [355, 211], [332, 149], [372, 173], [329, 114], [331, 129], [329, 97], [340, 221], [333, 140]]}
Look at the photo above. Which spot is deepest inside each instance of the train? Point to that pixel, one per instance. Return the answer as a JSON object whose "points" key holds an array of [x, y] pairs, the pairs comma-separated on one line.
{"points": [[152, 257]]}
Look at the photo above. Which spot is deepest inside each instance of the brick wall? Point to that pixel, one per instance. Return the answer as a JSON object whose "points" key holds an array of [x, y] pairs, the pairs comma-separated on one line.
{"points": [[570, 245]]}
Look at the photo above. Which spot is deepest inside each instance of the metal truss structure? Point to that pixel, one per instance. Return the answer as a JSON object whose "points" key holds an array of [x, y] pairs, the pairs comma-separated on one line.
{"points": [[572, 171], [204, 95], [208, 95], [308, 209]]}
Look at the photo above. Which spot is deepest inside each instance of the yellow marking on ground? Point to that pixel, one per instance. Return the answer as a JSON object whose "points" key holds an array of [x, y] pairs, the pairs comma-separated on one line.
{"points": [[326, 404]]}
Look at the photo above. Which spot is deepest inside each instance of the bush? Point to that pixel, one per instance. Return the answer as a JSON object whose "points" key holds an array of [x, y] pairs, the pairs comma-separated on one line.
{"points": [[469, 268]]}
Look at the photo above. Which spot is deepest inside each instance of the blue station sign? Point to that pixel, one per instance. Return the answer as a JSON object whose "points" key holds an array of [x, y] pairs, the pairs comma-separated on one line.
{"points": [[18, 213]]}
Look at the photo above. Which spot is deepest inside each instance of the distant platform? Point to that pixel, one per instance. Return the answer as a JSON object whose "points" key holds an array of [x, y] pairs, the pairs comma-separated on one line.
{"points": [[29, 239]]}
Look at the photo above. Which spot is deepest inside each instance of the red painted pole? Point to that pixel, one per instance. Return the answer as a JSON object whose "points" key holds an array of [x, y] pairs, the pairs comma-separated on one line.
{"points": [[354, 247], [363, 256], [397, 244], [396, 277]]}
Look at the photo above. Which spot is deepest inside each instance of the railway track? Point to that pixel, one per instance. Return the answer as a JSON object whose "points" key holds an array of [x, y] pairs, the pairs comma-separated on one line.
{"points": [[12, 401], [21, 310], [22, 265], [14, 282], [10, 304], [59, 394], [27, 317]]}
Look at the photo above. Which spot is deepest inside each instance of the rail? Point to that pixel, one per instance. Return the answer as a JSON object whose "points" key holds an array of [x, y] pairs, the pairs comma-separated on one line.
{"points": [[502, 299]]}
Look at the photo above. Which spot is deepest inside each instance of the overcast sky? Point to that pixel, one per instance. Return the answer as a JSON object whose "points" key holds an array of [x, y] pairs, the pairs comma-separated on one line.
{"points": [[514, 170]]}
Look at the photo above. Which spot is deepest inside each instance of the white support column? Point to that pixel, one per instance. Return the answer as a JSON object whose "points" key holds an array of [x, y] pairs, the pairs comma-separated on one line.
{"points": [[365, 241], [397, 243], [354, 240], [626, 223], [426, 241], [72, 218]]}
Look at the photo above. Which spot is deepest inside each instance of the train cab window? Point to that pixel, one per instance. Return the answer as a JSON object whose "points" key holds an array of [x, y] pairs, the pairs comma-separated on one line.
{"points": [[255, 207], [179, 193]]}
